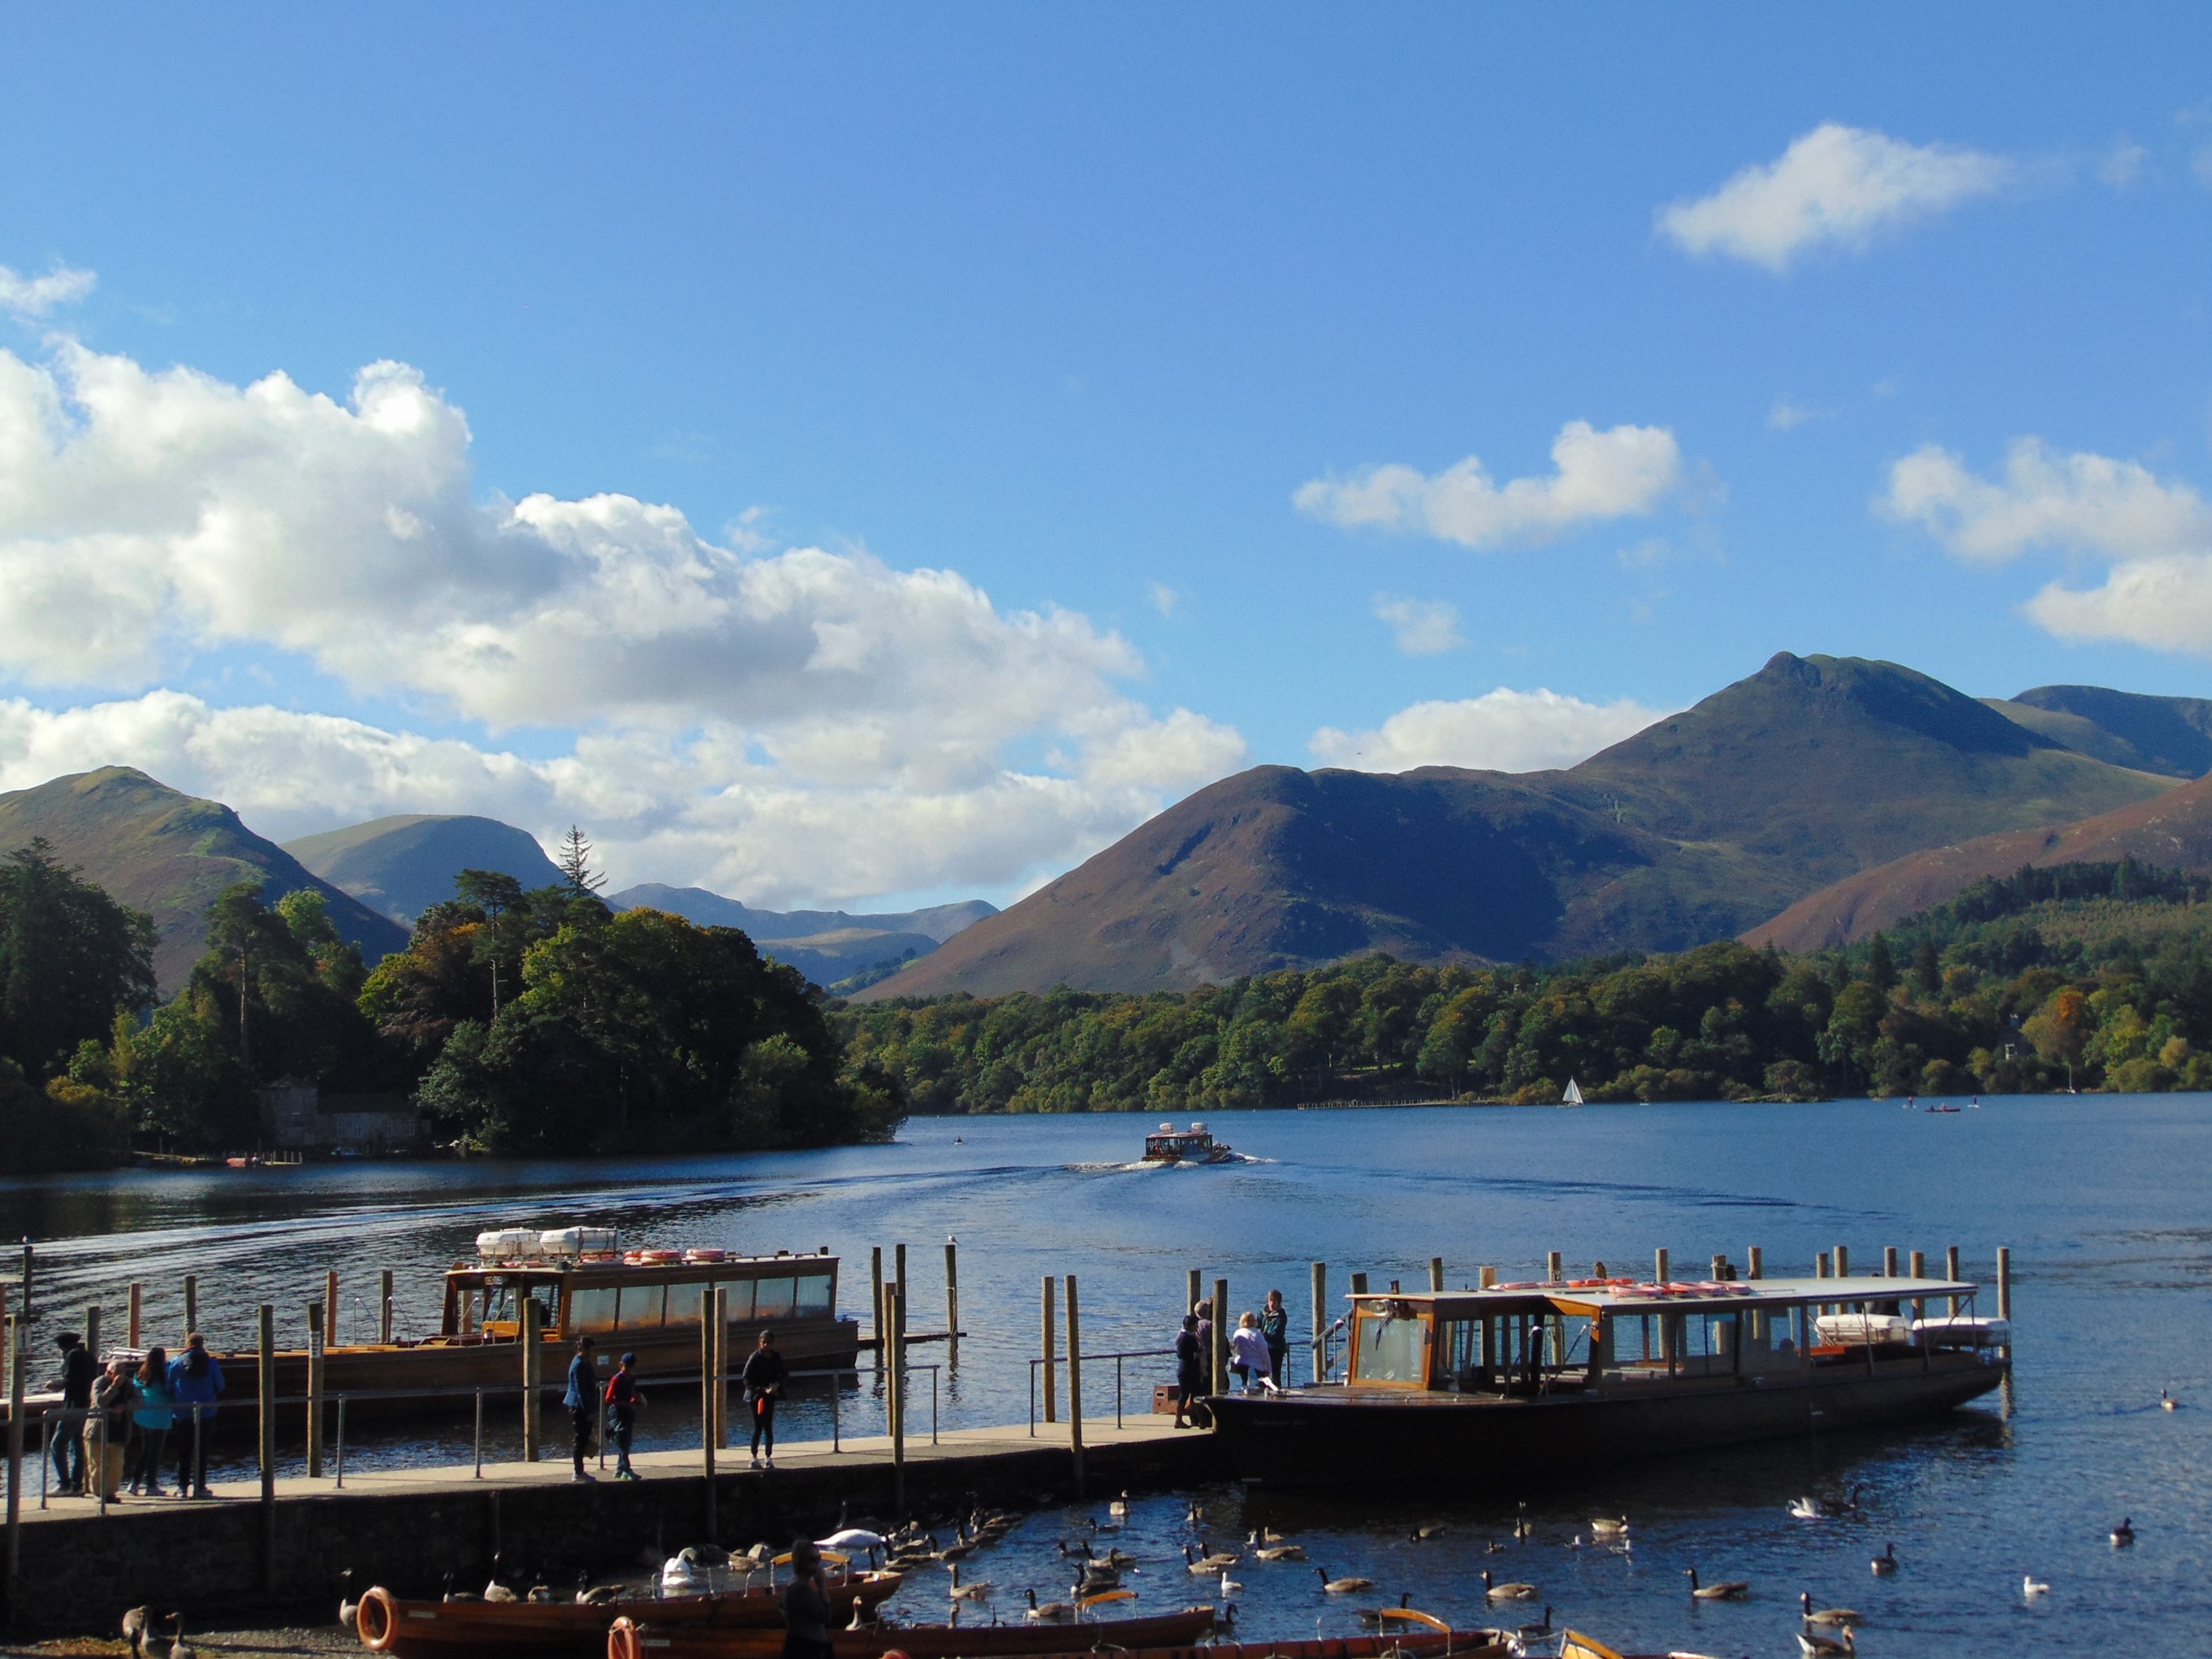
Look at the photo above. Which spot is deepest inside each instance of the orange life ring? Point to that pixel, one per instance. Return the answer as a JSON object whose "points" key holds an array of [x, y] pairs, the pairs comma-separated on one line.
{"points": [[622, 1642], [660, 1258], [706, 1255], [376, 1622]]}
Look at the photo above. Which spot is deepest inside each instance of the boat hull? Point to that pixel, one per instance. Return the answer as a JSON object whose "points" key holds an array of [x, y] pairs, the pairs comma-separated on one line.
{"points": [[1169, 1636], [440, 1630], [1332, 1436]]}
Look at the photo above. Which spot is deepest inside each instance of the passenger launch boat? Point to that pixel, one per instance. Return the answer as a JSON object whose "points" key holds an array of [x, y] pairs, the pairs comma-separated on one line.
{"points": [[644, 1635], [645, 1301], [1169, 1145], [1472, 1387]]}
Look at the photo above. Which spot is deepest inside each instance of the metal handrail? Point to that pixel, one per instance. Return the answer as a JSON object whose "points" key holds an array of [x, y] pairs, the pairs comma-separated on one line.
{"points": [[1117, 1357]]}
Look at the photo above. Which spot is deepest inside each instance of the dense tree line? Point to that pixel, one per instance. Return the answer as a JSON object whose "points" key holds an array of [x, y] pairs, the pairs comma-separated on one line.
{"points": [[2087, 975], [519, 1021]]}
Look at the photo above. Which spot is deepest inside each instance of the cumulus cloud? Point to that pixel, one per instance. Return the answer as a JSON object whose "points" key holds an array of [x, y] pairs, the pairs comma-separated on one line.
{"points": [[35, 296], [2042, 498], [1422, 628], [1503, 730], [1623, 471], [2158, 534], [803, 723], [1835, 187]]}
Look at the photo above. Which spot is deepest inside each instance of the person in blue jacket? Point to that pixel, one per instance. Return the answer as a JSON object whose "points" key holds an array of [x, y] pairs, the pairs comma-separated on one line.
{"points": [[195, 1384], [583, 1400]]}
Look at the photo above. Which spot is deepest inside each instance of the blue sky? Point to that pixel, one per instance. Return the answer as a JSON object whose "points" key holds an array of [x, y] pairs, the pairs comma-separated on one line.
{"points": [[1074, 303]]}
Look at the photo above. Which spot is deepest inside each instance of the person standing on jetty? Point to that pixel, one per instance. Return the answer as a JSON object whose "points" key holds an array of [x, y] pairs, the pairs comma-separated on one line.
{"points": [[75, 1381], [1190, 1380], [194, 1381], [623, 1401], [583, 1401], [1275, 1326], [763, 1377], [806, 1600], [1250, 1350], [152, 1417], [107, 1428]]}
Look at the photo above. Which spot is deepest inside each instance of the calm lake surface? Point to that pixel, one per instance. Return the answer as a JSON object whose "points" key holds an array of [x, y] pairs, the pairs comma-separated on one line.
{"points": [[2106, 1202]]}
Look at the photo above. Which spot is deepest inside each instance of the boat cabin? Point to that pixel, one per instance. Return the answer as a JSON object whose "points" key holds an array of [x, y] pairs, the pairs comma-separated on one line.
{"points": [[1196, 1144], [638, 1297], [1585, 1336]]}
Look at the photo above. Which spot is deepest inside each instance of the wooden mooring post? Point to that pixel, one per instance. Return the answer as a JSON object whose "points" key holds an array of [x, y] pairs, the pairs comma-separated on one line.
{"points": [[1951, 1272], [1554, 1268], [383, 1307], [331, 1306], [24, 1298], [1919, 1271], [315, 1328], [1842, 1262], [951, 1301], [265, 1352], [1220, 1362], [718, 1382], [16, 1355], [1754, 1261], [192, 1303], [876, 1320], [1437, 1274], [134, 1312], [1194, 1293], [707, 1391], [533, 1361], [895, 1296], [1049, 1340], [1661, 1266], [1889, 1261], [1074, 1386], [1320, 1320], [92, 1330], [2005, 1283]]}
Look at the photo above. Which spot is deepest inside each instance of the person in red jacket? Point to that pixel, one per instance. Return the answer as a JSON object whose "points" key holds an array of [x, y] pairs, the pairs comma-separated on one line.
{"points": [[623, 1398]]}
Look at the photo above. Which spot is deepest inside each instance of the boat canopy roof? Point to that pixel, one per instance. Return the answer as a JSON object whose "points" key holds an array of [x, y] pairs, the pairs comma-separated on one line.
{"points": [[1587, 1297], [684, 1266]]}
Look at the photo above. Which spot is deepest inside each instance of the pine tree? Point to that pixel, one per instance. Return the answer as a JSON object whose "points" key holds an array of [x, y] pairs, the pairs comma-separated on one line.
{"points": [[1881, 968], [575, 863]]}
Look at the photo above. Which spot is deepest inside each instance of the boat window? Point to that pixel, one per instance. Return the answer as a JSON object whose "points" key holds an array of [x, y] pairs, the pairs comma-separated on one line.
{"points": [[499, 1303], [817, 1300], [641, 1306], [683, 1303], [741, 1298], [548, 1299], [772, 1298], [591, 1308], [1392, 1348]]}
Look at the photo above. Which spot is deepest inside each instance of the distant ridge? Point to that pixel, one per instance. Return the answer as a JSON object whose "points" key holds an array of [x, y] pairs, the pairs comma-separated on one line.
{"points": [[1697, 828], [400, 867], [825, 945], [170, 854], [2173, 831]]}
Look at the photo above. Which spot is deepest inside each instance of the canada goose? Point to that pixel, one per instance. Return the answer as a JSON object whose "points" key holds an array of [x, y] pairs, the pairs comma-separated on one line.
{"points": [[2124, 1533], [1542, 1628], [1268, 1535], [1506, 1592], [2031, 1585], [1826, 1615], [1195, 1517], [1602, 1528], [2166, 1402], [1230, 1586], [1340, 1586], [1375, 1618], [1731, 1589], [1118, 1509], [540, 1594], [178, 1648], [349, 1607], [453, 1594], [1887, 1561], [1120, 1561], [593, 1596], [1205, 1566], [1807, 1509], [1422, 1534], [499, 1593], [1819, 1647], [1051, 1612], [138, 1630], [1282, 1552], [978, 1591]]}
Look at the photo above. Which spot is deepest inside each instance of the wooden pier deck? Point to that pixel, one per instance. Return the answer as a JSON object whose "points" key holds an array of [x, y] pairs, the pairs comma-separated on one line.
{"points": [[408, 1528]]}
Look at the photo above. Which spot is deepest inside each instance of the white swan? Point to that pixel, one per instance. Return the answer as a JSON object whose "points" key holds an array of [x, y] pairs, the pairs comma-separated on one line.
{"points": [[1807, 1509]]}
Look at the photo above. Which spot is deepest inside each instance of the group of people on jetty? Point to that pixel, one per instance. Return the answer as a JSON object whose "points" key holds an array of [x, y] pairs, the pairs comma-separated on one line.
{"points": [[1259, 1348], [762, 1381], [116, 1420]]}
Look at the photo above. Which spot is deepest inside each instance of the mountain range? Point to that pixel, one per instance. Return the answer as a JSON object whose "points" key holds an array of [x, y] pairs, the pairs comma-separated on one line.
{"points": [[1702, 826], [825, 945], [170, 854]]}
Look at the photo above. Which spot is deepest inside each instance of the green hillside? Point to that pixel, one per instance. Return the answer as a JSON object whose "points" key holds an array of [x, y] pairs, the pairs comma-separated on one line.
{"points": [[401, 867], [170, 855]]}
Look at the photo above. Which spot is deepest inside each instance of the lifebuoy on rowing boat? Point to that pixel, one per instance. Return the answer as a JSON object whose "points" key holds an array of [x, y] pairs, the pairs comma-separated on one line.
{"points": [[376, 1621], [660, 1258], [706, 1255]]}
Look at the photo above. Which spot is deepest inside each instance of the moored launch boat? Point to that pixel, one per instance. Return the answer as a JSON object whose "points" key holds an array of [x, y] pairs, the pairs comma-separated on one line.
{"points": [[1125, 1638], [1472, 1387], [443, 1630]]}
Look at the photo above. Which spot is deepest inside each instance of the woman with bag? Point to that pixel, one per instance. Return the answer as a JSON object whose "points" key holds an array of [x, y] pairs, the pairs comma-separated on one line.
{"points": [[152, 1417], [107, 1429]]}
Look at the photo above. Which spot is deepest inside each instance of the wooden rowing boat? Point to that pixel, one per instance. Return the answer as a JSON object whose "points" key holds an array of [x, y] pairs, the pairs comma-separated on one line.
{"points": [[440, 1629], [1126, 1639]]}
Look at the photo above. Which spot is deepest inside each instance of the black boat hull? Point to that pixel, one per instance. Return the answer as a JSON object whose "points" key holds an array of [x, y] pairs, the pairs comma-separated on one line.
{"points": [[1332, 1436]]}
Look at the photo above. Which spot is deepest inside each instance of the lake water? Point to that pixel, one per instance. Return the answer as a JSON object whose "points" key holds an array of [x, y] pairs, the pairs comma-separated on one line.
{"points": [[2106, 1202]]}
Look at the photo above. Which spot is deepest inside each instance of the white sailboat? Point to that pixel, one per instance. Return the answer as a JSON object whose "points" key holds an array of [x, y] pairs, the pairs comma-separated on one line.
{"points": [[1573, 1095]]}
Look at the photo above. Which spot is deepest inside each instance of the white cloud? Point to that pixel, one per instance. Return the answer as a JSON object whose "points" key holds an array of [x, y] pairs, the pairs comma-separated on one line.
{"points": [[1836, 186], [1787, 416], [2080, 501], [1164, 598], [804, 724], [35, 296], [2120, 165], [1503, 731], [2200, 163], [1422, 628], [1622, 470], [2157, 534]]}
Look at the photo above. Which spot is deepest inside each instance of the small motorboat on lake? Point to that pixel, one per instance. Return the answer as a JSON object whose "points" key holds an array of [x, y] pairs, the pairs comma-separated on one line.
{"points": [[1171, 1636], [569, 1628], [1169, 1145], [1471, 1388]]}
